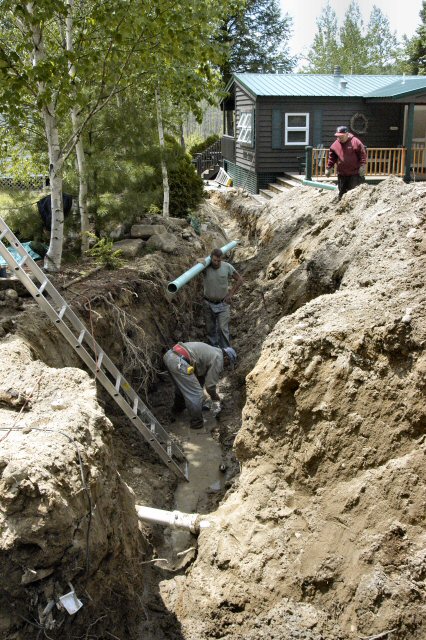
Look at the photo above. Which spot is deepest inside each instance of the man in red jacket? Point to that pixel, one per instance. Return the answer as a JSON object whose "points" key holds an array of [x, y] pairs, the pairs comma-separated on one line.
{"points": [[351, 157]]}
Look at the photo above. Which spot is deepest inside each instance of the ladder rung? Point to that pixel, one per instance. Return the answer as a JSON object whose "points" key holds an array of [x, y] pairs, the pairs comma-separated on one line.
{"points": [[2, 234], [80, 339], [22, 262], [99, 360], [41, 288], [135, 405], [117, 384], [169, 448], [61, 313]]}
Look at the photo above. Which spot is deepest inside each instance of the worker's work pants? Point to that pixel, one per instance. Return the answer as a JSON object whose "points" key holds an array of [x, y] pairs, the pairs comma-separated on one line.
{"points": [[346, 183], [217, 317], [188, 390]]}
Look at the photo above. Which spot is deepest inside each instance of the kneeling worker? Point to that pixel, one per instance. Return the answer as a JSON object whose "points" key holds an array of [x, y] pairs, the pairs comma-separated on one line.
{"points": [[193, 365]]}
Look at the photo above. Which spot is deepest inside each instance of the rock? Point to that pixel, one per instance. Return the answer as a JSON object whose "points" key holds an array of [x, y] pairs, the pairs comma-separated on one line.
{"points": [[129, 248], [118, 232], [181, 222], [11, 294], [145, 231], [166, 242]]}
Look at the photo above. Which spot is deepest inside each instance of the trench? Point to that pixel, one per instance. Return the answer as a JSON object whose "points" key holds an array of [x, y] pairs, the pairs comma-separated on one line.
{"points": [[214, 467]]}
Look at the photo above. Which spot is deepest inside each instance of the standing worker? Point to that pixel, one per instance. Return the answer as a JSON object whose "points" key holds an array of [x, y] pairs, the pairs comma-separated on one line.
{"points": [[194, 365], [351, 157], [217, 298]]}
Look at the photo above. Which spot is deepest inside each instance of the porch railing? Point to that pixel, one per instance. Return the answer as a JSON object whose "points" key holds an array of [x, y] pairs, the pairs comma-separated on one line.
{"points": [[380, 161], [209, 158]]}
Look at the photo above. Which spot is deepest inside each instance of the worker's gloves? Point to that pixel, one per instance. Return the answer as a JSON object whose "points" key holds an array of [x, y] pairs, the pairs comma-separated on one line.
{"points": [[327, 173], [216, 408], [362, 171]]}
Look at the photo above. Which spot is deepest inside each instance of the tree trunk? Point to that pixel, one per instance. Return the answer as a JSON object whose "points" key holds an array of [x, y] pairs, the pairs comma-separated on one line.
{"points": [[79, 147], [166, 189], [182, 136], [53, 258], [83, 189]]}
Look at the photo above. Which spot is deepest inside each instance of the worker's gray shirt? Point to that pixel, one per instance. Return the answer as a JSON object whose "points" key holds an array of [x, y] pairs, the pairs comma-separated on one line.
{"points": [[208, 361], [216, 281]]}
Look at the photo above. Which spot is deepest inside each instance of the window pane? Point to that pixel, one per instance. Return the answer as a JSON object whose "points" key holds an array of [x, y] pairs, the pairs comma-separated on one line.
{"points": [[296, 136], [296, 121]]}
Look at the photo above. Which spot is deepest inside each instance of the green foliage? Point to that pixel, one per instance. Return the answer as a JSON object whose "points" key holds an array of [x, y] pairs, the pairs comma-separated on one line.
{"points": [[186, 186], [103, 252], [323, 55], [154, 210], [205, 144], [19, 209], [257, 38], [353, 44], [377, 52], [415, 47]]}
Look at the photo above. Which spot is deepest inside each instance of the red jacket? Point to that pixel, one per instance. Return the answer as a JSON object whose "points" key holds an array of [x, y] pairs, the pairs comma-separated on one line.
{"points": [[349, 156]]}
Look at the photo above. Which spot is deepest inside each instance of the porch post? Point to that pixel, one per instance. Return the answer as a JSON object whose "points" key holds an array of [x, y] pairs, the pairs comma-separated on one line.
{"points": [[409, 142], [308, 162]]}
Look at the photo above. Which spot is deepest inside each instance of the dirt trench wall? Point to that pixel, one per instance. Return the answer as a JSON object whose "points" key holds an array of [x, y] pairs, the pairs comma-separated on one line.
{"points": [[56, 528], [323, 537], [66, 516]]}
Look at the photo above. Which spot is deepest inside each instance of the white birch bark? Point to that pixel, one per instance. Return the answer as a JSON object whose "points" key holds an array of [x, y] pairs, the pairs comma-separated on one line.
{"points": [[166, 188], [79, 147], [52, 261]]}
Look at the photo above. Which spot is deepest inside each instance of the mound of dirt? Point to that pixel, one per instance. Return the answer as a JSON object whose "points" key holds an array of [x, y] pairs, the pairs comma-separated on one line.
{"points": [[323, 536]]}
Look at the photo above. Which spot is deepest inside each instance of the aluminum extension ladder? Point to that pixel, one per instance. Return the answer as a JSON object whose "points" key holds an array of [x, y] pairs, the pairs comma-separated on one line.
{"points": [[83, 342]]}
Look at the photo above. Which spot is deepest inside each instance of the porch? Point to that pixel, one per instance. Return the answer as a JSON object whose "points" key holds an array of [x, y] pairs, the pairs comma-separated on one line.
{"points": [[381, 162]]}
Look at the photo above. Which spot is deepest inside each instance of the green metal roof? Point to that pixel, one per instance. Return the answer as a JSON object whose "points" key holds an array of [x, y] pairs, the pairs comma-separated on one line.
{"points": [[316, 85], [402, 87]]}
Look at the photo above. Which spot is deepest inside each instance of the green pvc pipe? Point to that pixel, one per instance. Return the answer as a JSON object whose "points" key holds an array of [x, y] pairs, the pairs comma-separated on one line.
{"points": [[177, 284], [319, 185]]}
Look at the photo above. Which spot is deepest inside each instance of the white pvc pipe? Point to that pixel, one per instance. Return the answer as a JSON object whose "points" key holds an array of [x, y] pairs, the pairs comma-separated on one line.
{"points": [[176, 519]]}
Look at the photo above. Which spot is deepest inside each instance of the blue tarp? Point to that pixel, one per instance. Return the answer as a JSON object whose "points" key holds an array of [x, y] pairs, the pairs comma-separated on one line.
{"points": [[16, 255]]}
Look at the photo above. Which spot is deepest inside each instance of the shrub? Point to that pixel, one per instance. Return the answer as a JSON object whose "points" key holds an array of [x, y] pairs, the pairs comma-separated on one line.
{"points": [[202, 146], [103, 252], [19, 210]]}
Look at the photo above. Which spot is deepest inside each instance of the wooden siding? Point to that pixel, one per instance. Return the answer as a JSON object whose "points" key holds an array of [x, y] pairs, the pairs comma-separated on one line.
{"points": [[244, 154], [324, 116], [228, 148]]}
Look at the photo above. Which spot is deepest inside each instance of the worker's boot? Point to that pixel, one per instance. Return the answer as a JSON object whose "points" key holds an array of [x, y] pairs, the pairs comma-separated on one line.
{"points": [[196, 422]]}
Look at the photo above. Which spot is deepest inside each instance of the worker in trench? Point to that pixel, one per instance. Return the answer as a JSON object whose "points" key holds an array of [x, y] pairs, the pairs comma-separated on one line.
{"points": [[217, 298], [194, 366]]}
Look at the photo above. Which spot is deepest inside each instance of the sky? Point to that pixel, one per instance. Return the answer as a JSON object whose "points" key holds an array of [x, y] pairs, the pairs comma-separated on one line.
{"points": [[403, 17]]}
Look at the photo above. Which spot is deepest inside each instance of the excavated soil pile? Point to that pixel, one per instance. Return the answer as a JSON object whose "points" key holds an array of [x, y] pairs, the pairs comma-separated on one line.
{"points": [[322, 536]]}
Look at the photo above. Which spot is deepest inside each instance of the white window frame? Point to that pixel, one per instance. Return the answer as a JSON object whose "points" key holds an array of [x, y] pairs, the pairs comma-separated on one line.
{"points": [[291, 129], [245, 128]]}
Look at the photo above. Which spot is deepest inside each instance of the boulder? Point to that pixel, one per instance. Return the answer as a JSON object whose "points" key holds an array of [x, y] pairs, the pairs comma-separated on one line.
{"points": [[145, 231], [129, 248], [166, 242], [118, 232]]}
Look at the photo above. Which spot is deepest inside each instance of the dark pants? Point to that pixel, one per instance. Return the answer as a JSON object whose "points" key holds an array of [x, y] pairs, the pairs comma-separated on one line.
{"points": [[346, 183]]}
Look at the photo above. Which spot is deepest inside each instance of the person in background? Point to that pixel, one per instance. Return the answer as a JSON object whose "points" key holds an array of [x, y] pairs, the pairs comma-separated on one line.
{"points": [[217, 298], [194, 366], [351, 158]]}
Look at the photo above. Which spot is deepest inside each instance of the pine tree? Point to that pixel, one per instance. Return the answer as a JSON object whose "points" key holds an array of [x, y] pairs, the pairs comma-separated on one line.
{"points": [[416, 47], [324, 53], [353, 51], [257, 38], [384, 53]]}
